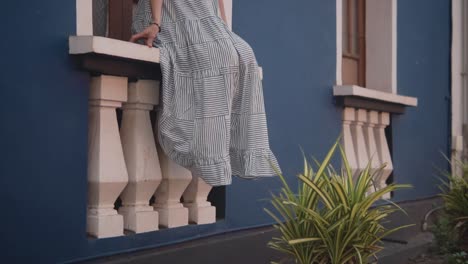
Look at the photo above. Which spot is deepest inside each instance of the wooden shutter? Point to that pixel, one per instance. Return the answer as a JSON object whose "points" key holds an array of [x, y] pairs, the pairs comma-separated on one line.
{"points": [[120, 19], [354, 42]]}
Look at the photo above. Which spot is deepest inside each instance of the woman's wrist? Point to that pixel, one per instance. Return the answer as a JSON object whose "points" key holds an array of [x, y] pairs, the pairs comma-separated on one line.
{"points": [[153, 23]]}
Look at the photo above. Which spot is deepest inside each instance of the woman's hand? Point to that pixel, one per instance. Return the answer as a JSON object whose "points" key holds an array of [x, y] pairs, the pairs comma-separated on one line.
{"points": [[150, 34]]}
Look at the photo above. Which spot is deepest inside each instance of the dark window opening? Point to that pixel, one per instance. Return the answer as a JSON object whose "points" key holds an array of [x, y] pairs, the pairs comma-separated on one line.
{"points": [[113, 18], [120, 19], [217, 198]]}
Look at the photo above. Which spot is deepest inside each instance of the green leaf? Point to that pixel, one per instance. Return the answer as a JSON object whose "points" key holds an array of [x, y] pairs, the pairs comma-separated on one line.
{"points": [[303, 240], [330, 219]]}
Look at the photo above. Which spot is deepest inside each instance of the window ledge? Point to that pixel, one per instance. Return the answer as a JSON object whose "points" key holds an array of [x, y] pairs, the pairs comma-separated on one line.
{"points": [[353, 90], [102, 55], [355, 96], [112, 47]]}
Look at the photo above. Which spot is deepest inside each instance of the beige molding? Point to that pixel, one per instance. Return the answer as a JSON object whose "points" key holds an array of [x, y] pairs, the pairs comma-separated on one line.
{"points": [[118, 48], [112, 47], [84, 17], [354, 90]]}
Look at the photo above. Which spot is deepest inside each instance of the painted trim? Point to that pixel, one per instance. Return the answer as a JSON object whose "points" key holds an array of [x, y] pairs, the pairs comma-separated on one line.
{"points": [[458, 96], [394, 48], [84, 17], [339, 42], [353, 90], [112, 47]]}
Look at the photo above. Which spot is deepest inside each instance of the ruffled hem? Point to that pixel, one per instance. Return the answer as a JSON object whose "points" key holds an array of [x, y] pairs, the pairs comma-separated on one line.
{"points": [[253, 163], [247, 164]]}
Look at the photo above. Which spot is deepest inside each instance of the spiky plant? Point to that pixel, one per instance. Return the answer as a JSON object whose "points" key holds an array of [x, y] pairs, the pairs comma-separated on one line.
{"points": [[455, 196], [331, 219]]}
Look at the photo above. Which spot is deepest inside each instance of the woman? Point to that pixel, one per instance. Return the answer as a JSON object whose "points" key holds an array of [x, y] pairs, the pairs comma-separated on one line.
{"points": [[212, 119]]}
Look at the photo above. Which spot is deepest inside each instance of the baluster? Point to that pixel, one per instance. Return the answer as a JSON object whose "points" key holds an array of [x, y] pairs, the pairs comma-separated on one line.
{"points": [[348, 143], [383, 149], [175, 180], [369, 126], [168, 195], [195, 199], [362, 156], [107, 172], [141, 158]]}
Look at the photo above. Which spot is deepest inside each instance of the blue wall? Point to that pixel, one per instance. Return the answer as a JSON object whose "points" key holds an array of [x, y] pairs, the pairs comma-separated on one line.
{"points": [[43, 134], [295, 44], [44, 117], [422, 134]]}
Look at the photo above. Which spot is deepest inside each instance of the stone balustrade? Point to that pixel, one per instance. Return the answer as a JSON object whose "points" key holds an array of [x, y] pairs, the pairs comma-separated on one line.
{"points": [[128, 164], [365, 142]]}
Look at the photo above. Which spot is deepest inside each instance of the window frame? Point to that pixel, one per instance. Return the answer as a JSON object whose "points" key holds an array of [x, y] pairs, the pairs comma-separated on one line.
{"points": [[119, 17], [380, 45], [459, 74]]}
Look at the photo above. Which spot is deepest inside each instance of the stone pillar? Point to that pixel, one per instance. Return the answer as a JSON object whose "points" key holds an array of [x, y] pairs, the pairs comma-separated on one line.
{"points": [[175, 180], [383, 149], [347, 142], [195, 199], [357, 127], [141, 158], [107, 172]]}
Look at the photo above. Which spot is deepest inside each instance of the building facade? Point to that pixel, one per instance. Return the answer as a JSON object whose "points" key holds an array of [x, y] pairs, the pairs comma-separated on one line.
{"points": [[387, 75]]}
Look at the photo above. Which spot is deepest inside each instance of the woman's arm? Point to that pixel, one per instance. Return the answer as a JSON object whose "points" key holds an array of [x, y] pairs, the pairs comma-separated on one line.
{"points": [[156, 6], [222, 10], [151, 32]]}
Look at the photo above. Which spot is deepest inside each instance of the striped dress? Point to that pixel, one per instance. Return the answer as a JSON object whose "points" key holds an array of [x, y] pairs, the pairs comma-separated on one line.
{"points": [[212, 118]]}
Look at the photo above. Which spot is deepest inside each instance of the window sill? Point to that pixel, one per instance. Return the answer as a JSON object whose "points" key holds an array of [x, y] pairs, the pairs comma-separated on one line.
{"points": [[112, 47], [355, 96], [101, 55]]}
